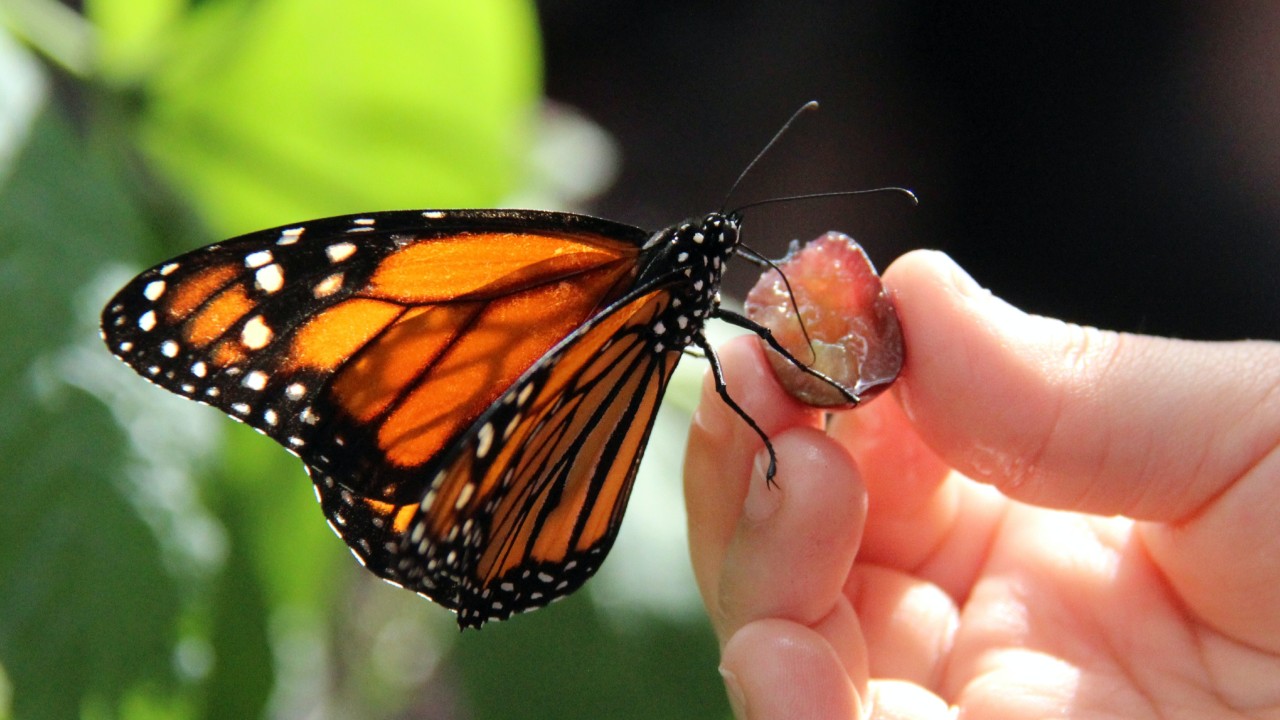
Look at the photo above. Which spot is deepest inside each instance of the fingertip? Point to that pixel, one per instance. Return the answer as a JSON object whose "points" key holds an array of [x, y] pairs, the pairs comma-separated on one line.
{"points": [[796, 541], [902, 700], [1072, 417], [780, 669], [722, 450]]}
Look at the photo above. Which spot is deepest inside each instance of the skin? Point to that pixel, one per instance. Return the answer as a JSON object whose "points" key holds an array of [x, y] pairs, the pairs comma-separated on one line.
{"points": [[1039, 520]]}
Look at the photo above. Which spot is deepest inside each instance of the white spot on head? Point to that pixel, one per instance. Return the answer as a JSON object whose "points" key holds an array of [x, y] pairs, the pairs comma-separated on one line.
{"points": [[256, 335], [153, 290], [257, 259], [270, 278], [147, 321], [295, 391], [169, 349], [256, 380], [698, 238], [338, 252]]}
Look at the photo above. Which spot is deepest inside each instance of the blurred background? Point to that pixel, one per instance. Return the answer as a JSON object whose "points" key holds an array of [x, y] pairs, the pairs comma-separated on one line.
{"points": [[1115, 165]]}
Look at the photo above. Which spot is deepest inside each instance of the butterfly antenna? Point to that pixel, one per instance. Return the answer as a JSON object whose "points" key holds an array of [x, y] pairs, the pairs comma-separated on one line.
{"points": [[838, 193], [811, 105]]}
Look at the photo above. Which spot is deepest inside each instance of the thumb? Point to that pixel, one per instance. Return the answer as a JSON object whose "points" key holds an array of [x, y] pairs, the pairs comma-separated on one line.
{"points": [[1072, 417]]}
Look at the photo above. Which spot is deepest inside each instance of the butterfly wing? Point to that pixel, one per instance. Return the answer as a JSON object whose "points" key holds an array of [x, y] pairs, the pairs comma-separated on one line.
{"points": [[366, 344], [524, 507], [471, 390]]}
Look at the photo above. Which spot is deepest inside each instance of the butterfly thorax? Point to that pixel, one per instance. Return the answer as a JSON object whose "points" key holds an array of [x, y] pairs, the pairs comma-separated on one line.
{"points": [[689, 258]]}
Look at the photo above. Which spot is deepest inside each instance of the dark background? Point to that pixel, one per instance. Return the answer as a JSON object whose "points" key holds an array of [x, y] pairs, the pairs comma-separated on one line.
{"points": [[1111, 164]]}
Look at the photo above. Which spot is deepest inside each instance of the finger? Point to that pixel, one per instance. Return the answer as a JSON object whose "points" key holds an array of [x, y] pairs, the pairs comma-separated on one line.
{"points": [[721, 450], [901, 700], [923, 518], [795, 542], [1077, 418], [775, 669], [909, 625]]}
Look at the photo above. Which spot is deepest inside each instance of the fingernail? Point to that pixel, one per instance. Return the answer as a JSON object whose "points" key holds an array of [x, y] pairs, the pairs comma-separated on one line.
{"points": [[763, 498], [737, 701]]}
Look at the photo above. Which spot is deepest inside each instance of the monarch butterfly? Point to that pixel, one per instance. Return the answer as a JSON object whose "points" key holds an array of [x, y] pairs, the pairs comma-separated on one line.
{"points": [[470, 390]]}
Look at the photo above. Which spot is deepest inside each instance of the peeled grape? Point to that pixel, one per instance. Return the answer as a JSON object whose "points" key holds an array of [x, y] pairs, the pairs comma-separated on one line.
{"points": [[853, 331]]}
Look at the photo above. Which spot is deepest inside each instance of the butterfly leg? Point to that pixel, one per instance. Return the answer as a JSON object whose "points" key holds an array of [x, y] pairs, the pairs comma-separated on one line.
{"points": [[767, 335], [723, 391]]}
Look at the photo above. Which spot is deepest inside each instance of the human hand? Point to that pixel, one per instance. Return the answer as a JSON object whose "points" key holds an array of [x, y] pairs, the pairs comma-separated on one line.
{"points": [[1041, 520]]}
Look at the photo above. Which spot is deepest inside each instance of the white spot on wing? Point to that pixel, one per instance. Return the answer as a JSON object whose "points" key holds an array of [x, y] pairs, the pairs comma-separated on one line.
{"points": [[257, 259], [338, 252], [464, 495], [270, 278], [484, 440], [153, 290], [256, 334], [328, 286], [147, 321]]}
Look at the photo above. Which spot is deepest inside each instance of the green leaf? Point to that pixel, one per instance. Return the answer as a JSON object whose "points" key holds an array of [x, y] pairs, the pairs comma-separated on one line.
{"points": [[88, 610], [274, 111]]}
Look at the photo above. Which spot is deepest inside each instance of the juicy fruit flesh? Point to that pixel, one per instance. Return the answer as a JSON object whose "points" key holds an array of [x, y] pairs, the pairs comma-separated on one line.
{"points": [[853, 330]]}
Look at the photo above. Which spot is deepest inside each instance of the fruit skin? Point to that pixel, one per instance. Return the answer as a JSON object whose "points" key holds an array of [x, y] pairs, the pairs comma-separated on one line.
{"points": [[855, 336]]}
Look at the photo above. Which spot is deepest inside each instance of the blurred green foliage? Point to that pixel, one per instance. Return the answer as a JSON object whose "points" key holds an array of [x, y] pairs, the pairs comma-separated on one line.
{"points": [[155, 560]]}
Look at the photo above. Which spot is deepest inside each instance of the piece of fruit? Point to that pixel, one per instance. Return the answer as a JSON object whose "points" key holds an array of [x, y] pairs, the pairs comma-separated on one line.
{"points": [[853, 330]]}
